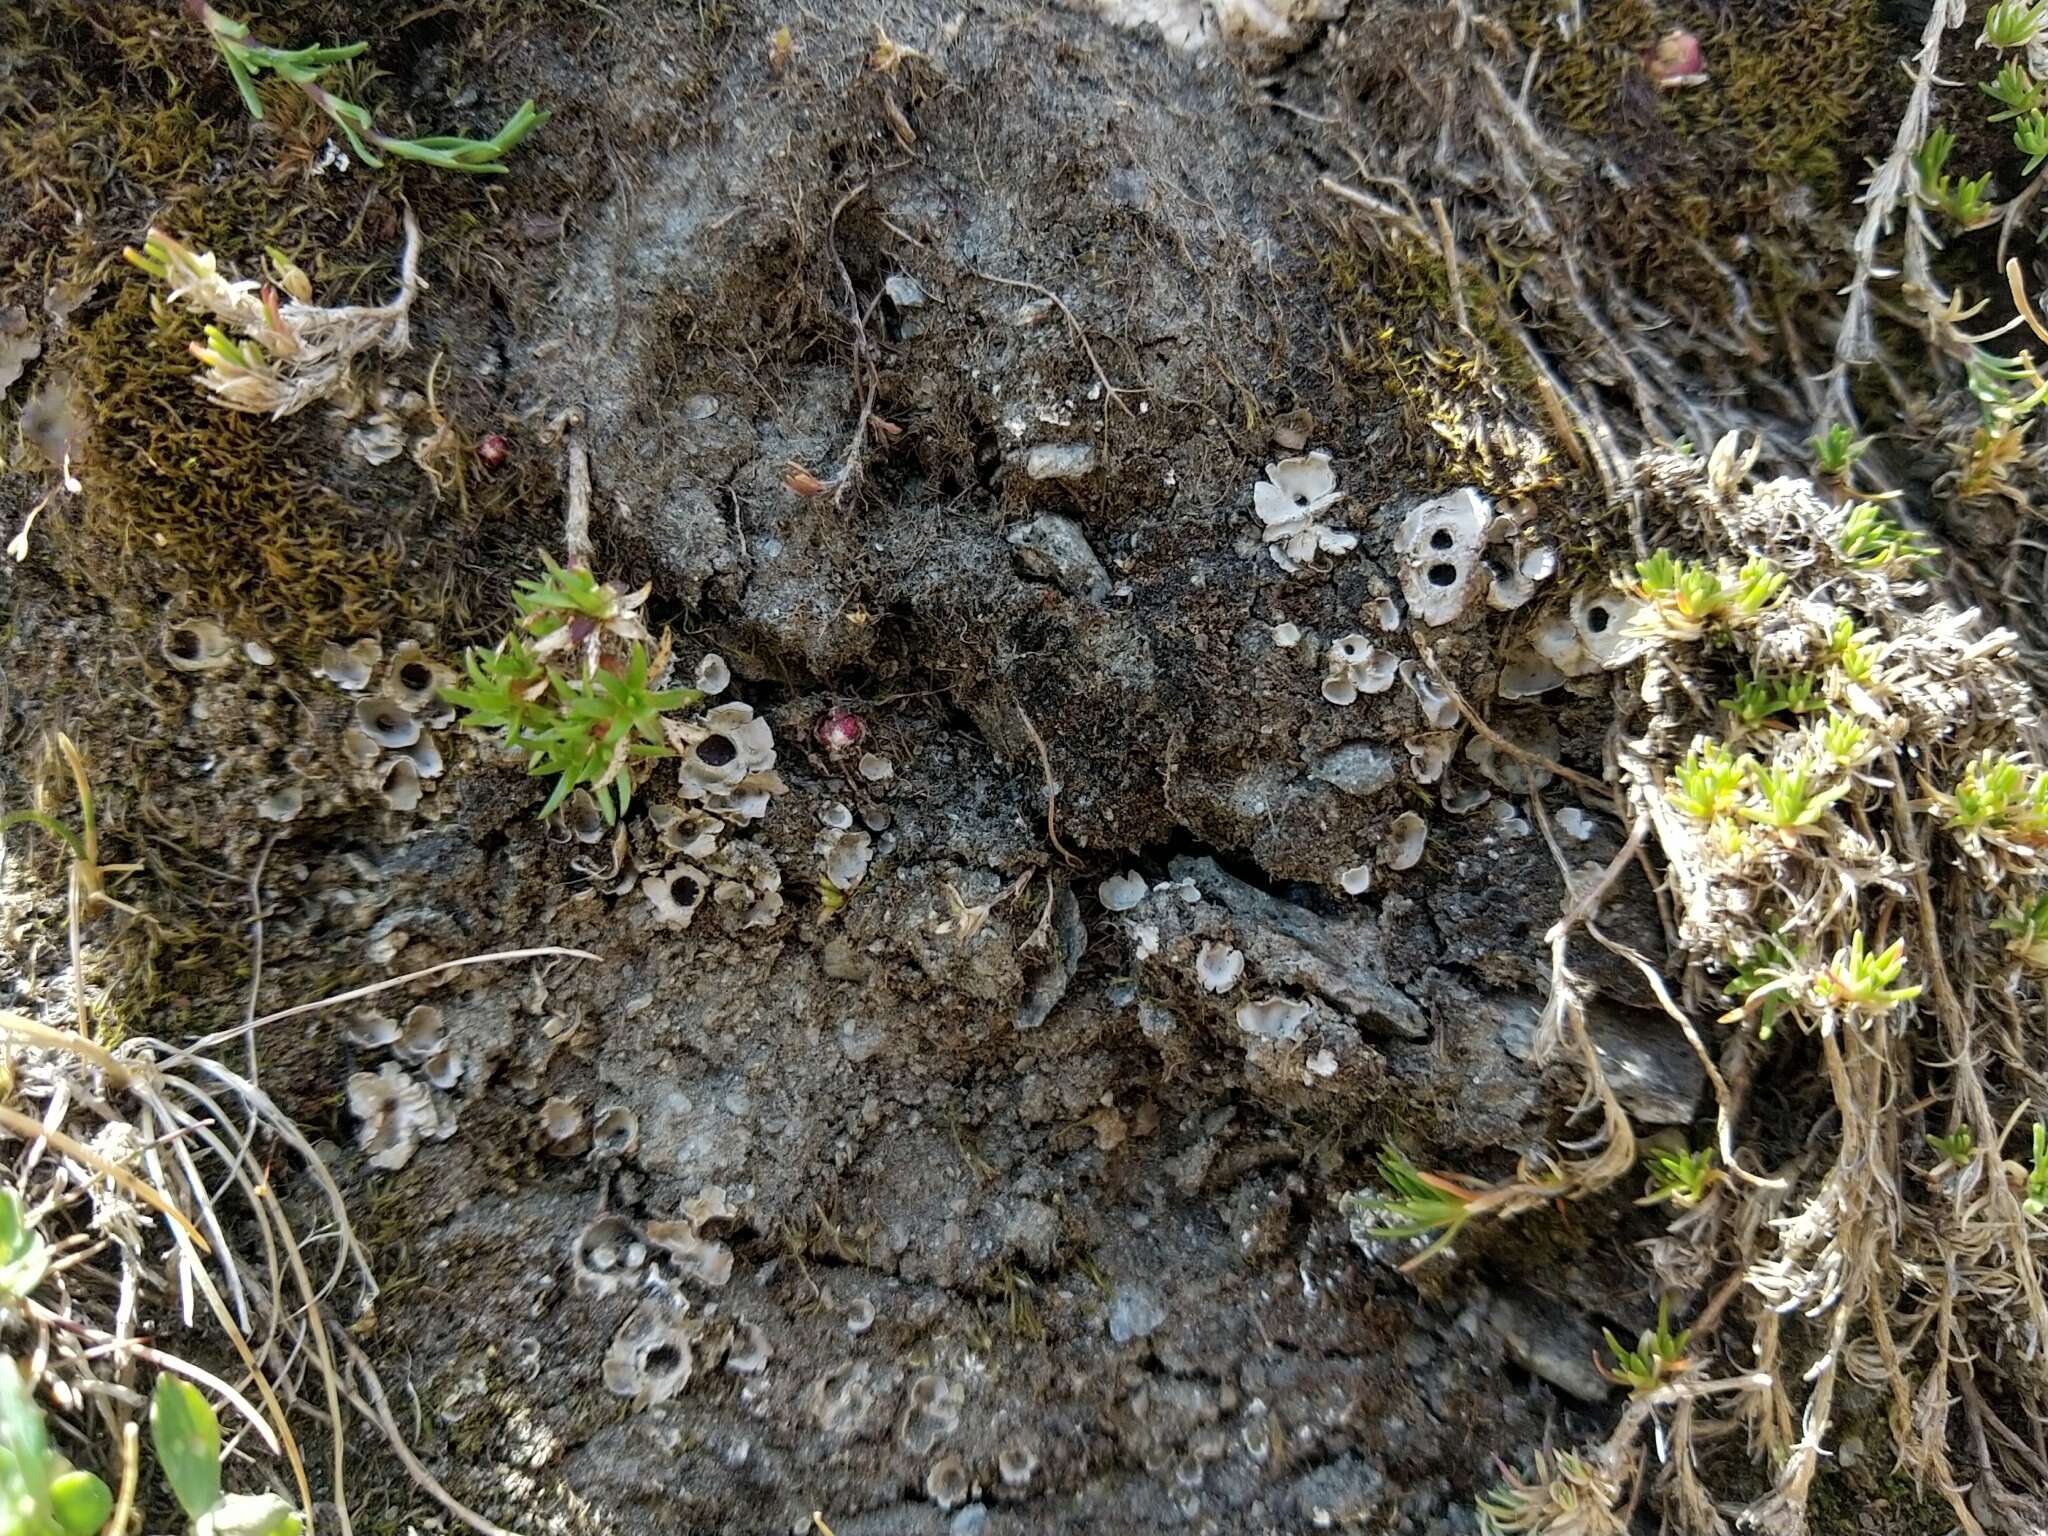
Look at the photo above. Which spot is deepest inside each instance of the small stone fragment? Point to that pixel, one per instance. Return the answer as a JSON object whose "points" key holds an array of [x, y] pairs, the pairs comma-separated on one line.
{"points": [[1135, 1312], [1357, 768], [904, 291], [1551, 1345], [1059, 461], [1054, 548]]}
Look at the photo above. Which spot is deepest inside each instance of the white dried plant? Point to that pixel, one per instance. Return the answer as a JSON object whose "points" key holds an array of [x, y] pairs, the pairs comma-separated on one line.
{"points": [[275, 354]]}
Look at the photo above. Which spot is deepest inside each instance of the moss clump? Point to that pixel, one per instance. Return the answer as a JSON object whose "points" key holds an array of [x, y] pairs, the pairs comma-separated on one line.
{"points": [[229, 507], [1793, 93], [1729, 173], [182, 498], [1787, 85], [1462, 389], [123, 118]]}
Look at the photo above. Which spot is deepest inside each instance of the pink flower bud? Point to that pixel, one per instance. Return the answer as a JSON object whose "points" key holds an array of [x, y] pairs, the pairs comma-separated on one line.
{"points": [[840, 731], [1678, 60], [493, 450]]}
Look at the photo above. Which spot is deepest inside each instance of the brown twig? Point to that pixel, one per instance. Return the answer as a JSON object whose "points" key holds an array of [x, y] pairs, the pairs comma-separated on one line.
{"points": [[576, 520], [377, 1409], [1513, 749], [1052, 788], [867, 376]]}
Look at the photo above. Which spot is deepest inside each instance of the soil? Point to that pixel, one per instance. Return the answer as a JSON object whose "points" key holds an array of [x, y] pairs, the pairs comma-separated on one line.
{"points": [[1028, 1229]]}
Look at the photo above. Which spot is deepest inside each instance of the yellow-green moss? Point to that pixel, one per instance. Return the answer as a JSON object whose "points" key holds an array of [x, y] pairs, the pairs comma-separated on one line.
{"points": [[234, 508], [1790, 94], [1393, 299], [1786, 84]]}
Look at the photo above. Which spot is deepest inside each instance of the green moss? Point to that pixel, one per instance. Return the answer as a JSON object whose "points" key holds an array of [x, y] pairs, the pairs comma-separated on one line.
{"points": [[1400, 339], [123, 118], [229, 508], [1789, 95], [1786, 86], [182, 497], [1729, 172]]}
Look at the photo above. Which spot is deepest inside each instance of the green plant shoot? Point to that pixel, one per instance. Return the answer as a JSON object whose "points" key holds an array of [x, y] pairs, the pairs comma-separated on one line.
{"points": [[1418, 1204], [305, 67], [24, 1256], [41, 1494]]}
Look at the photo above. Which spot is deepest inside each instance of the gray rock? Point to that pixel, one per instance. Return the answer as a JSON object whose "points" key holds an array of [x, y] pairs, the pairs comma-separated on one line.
{"points": [[693, 538], [1050, 983], [904, 291], [1053, 548], [1032, 1233], [1550, 1345], [1655, 1074], [1134, 1313], [1291, 949], [1357, 768]]}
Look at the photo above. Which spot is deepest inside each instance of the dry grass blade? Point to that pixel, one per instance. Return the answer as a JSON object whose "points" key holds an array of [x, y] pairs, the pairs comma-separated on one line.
{"points": [[32, 1130], [378, 1411], [356, 994]]}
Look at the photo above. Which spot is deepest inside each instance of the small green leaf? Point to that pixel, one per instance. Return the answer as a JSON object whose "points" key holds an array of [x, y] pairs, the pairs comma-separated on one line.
{"points": [[187, 1440], [243, 81], [19, 1279], [14, 1230], [248, 1514], [81, 1503], [24, 1454]]}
